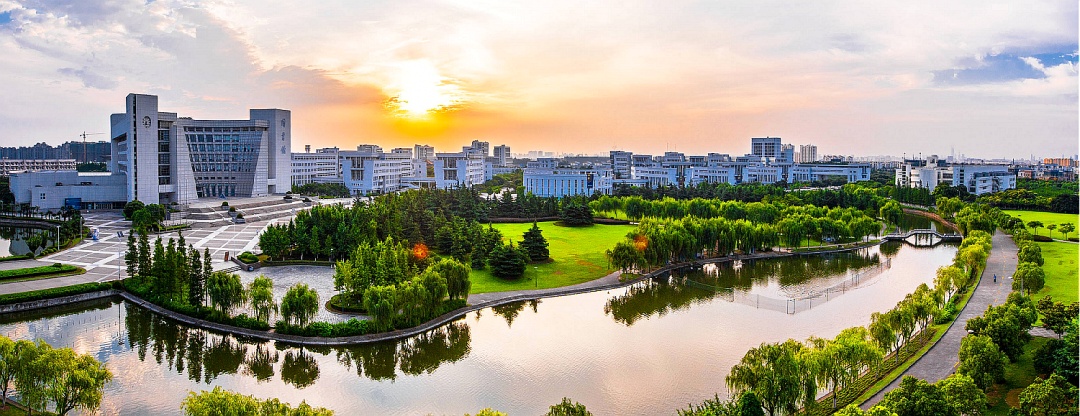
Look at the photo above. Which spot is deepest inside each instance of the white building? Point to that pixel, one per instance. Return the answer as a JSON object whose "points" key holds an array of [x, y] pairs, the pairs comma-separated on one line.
{"points": [[544, 178], [453, 170], [367, 173], [51, 190], [807, 153], [13, 165], [982, 179], [502, 155], [166, 158], [810, 173], [484, 148], [424, 152], [319, 167]]}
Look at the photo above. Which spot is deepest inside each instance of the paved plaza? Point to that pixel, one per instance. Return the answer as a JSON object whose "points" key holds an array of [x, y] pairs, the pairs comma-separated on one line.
{"points": [[103, 259]]}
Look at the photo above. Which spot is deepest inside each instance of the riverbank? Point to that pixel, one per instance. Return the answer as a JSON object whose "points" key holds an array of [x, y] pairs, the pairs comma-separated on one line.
{"points": [[480, 301], [941, 359]]}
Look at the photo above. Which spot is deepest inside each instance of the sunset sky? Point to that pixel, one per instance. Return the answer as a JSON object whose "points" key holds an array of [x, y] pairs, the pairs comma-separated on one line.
{"points": [[988, 79]]}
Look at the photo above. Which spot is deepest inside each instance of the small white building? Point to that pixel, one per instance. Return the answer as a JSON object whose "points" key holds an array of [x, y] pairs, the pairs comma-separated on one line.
{"points": [[983, 179], [51, 190], [544, 178], [454, 170], [319, 167]]}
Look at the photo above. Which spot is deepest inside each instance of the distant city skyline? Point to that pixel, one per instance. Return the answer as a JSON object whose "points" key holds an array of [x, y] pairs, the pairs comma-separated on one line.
{"points": [[852, 78]]}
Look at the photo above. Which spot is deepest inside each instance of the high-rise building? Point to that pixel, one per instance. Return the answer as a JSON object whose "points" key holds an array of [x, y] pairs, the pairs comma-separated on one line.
{"points": [[807, 153], [424, 152], [484, 148], [167, 158], [769, 147], [502, 155]]}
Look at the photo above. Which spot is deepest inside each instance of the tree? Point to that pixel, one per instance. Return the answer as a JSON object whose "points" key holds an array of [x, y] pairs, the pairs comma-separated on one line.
{"points": [[575, 214], [1051, 228], [1066, 228], [71, 380], [1036, 225], [131, 257], [963, 395], [568, 408], [981, 360], [131, 207], [225, 291], [27, 376], [1030, 253], [1029, 278], [776, 374], [1007, 325], [300, 304], [839, 361], [891, 212], [380, 302], [145, 258], [274, 241], [950, 279], [8, 366], [220, 402], [916, 397], [508, 262], [1050, 396], [196, 280], [456, 274], [535, 244], [1057, 315], [261, 292]]}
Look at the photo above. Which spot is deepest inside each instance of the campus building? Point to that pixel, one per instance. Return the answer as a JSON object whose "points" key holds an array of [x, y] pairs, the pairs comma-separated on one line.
{"points": [[318, 167], [983, 179], [14, 165], [546, 178], [167, 158]]}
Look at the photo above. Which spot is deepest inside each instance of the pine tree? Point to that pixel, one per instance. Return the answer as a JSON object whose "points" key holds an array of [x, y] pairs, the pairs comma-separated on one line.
{"points": [[535, 244], [196, 291], [168, 272], [158, 268], [144, 253], [131, 258], [507, 261]]}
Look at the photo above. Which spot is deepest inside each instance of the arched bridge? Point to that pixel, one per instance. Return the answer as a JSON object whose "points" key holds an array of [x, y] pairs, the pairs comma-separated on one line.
{"points": [[923, 233]]}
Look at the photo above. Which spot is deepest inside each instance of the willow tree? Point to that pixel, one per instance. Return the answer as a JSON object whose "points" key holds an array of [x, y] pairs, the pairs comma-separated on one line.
{"points": [[261, 292], [839, 361], [778, 374]]}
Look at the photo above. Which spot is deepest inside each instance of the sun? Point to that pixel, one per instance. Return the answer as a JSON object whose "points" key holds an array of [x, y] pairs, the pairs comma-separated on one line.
{"points": [[419, 91]]}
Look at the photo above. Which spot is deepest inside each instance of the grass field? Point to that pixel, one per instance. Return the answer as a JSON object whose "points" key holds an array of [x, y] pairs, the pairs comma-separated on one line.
{"points": [[1018, 375], [1046, 218], [577, 255], [1062, 271]]}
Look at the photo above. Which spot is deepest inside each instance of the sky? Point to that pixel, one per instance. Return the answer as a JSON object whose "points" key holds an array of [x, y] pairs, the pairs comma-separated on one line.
{"points": [[984, 79]]}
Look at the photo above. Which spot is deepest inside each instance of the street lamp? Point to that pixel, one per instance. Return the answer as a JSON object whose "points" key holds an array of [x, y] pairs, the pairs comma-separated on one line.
{"points": [[57, 238]]}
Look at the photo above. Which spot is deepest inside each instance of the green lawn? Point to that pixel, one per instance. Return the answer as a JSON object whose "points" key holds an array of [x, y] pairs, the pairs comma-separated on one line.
{"points": [[577, 255], [1047, 218], [1018, 375], [1062, 273]]}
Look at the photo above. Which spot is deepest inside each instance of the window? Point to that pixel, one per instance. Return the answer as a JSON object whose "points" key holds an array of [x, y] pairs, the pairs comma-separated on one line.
{"points": [[42, 195]]}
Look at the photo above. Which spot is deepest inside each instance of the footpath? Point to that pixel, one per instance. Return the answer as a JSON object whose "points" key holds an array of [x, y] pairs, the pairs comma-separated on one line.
{"points": [[941, 360]]}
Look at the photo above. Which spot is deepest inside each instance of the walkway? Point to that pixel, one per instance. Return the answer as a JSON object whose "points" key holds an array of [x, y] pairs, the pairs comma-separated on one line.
{"points": [[102, 259], [941, 360]]}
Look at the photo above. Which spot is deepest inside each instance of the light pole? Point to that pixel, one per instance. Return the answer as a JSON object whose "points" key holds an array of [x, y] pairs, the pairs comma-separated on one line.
{"points": [[119, 258], [57, 238]]}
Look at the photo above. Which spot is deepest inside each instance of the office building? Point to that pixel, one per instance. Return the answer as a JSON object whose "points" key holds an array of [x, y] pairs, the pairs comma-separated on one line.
{"points": [[424, 152], [982, 179], [545, 178], [458, 170], [319, 167], [483, 148]]}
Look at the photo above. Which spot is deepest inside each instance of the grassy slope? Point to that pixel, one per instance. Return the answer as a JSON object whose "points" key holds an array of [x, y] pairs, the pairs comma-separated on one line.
{"points": [[1047, 218], [577, 255], [1062, 273]]}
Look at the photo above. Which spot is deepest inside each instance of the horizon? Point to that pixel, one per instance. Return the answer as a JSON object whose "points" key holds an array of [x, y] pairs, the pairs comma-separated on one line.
{"points": [[854, 79]]}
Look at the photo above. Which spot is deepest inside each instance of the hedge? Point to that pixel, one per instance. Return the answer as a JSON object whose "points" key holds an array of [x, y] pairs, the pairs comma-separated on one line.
{"points": [[56, 292], [37, 271], [247, 258]]}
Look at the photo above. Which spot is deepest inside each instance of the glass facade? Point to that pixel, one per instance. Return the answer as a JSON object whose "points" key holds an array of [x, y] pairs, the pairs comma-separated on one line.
{"points": [[224, 159]]}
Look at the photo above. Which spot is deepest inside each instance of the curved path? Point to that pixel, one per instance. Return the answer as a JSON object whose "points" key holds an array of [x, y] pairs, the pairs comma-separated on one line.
{"points": [[941, 360]]}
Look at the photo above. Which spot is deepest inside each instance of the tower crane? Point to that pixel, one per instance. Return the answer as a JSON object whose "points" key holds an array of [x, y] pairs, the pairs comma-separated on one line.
{"points": [[84, 134]]}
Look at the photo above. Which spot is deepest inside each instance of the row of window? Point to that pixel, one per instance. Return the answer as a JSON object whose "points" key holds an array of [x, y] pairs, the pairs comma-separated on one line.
{"points": [[224, 129]]}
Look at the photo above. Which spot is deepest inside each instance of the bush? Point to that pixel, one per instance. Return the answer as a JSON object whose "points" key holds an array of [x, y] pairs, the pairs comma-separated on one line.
{"points": [[37, 271], [248, 258], [1042, 238], [224, 203], [54, 292], [346, 304], [232, 209], [349, 328]]}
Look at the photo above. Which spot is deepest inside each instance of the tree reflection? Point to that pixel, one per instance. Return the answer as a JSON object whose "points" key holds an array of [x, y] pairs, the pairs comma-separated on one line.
{"points": [[204, 356], [509, 311], [299, 369], [659, 296]]}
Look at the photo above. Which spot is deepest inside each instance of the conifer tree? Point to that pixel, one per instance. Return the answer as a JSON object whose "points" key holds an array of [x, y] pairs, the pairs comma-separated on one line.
{"points": [[144, 253], [131, 257], [196, 287], [535, 244]]}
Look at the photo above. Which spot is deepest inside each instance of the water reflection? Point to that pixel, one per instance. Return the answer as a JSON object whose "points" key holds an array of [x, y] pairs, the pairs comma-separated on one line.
{"points": [[771, 284], [422, 354], [16, 240]]}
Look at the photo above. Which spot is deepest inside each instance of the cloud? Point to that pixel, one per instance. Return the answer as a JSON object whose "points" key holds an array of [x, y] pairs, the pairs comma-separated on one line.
{"points": [[561, 75]]}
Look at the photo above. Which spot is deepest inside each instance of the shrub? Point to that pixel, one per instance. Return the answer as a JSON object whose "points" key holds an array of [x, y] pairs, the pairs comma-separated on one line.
{"points": [[1041, 238], [37, 271], [54, 292], [224, 203], [352, 327], [247, 257]]}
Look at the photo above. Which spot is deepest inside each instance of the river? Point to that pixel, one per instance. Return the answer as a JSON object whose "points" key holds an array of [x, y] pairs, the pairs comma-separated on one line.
{"points": [[650, 348]]}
